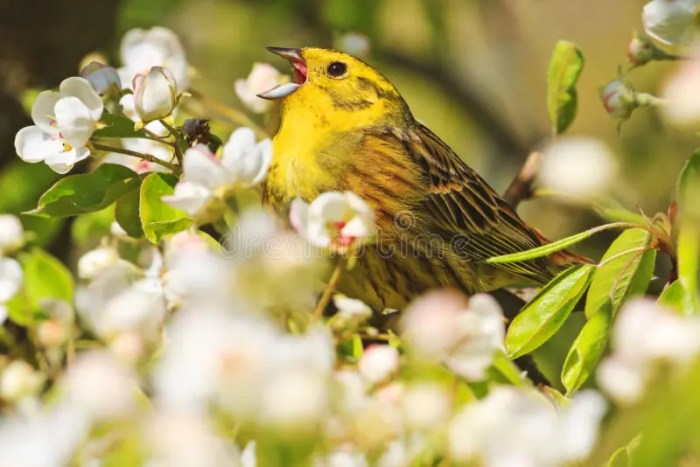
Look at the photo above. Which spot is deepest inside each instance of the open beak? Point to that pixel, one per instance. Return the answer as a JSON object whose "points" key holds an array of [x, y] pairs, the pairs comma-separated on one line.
{"points": [[300, 73]]}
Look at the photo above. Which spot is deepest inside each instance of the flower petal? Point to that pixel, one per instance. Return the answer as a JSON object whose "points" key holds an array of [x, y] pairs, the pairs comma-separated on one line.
{"points": [[265, 148], [83, 90], [75, 121], [10, 278], [200, 166], [331, 206], [241, 156], [62, 162], [189, 197], [34, 145], [43, 111]]}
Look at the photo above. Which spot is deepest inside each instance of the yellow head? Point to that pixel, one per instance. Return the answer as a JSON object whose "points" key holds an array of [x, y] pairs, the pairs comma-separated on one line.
{"points": [[331, 86]]}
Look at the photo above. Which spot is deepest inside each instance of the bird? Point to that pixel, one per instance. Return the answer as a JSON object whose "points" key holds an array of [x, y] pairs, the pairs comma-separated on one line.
{"points": [[345, 127]]}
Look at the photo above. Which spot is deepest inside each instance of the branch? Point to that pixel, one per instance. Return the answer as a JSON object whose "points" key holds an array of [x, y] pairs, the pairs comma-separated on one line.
{"points": [[520, 188]]}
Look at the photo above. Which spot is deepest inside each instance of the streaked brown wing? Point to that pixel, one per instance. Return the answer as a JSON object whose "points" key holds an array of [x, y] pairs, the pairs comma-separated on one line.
{"points": [[465, 205]]}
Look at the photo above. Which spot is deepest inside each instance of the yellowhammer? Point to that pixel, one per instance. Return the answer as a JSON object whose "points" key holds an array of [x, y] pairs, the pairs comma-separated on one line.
{"points": [[344, 126]]}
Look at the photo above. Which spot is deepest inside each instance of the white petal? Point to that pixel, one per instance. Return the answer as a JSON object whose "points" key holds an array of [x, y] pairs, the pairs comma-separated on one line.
{"points": [[241, 156], [668, 21], [3, 313], [64, 161], [10, 278], [75, 121], [189, 197], [299, 214], [34, 145], [83, 90], [155, 94], [43, 111], [357, 227], [200, 166], [331, 206], [265, 148]]}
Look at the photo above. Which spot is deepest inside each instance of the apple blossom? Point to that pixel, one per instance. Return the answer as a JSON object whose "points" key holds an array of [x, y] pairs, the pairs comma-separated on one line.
{"points": [[378, 363], [10, 278], [103, 78], [262, 77], [619, 99], [95, 261], [19, 380], [521, 427], [63, 124], [142, 49], [578, 166], [350, 310], [681, 95], [334, 219], [155, 94], [243, 163], [11, 233], [669, 21], [426, 406], [645, 333], [463, 336]]}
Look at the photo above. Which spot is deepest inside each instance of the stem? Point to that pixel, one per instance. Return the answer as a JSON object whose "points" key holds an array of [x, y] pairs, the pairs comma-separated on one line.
{"points": [[330, 288], [520, 188], [147, 157], [180, 143], [233, 115]]}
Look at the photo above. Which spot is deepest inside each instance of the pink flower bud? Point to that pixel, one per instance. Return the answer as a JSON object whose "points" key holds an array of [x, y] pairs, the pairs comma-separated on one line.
{"points": [[103, 78]]}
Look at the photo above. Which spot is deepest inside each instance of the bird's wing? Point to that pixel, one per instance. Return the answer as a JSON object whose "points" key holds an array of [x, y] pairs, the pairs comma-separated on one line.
{"points": [[466, 210]]}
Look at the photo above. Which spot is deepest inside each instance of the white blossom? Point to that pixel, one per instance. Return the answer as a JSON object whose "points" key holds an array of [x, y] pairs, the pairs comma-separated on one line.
{"points": [[520, 427], [426, 406], [669, 21], [155, 94], [619, 99], [350, 310], [11, 233], [578, 166], [645, 333], [334, 219], [464, 336], [681, 94], [19, 380], [262, 77], [95, 261], [142, 49], [63, 124], [243, 163], [378, 363], [10, 278]]}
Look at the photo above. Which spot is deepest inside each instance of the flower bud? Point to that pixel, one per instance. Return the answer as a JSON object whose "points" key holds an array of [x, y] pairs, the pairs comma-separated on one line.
{"points": [[155, 94], [618, 99], [103, 78]]}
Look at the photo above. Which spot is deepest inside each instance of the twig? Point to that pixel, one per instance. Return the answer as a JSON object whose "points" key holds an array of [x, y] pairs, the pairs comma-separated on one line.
{"points": [[128, 152], [520, 188], [330, 288]]}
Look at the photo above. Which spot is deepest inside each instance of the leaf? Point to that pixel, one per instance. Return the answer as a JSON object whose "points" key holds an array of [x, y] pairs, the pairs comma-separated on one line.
{"points": [[552, 247], [673, 296], [128, 214], [508, 370], [622, 275], [587, 348], [565, 67], [688, 264], [45, 277], [88, 229], [544, 314], [118, 127], [158, 218], [80, 194], [689, 180]]}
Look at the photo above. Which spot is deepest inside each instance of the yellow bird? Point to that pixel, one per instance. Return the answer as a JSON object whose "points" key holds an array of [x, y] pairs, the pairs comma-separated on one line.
{"points": [[344, 126]]}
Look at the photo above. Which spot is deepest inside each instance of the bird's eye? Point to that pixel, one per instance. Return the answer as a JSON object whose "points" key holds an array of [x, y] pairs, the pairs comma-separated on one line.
{"points": [[337, 69]]}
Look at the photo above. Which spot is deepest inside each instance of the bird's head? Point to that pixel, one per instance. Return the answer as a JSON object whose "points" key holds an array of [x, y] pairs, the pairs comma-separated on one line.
{"points": [[330, 82]]}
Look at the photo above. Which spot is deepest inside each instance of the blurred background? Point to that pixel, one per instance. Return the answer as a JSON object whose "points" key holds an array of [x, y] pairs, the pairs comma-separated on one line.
{"points": [[473, 70]]}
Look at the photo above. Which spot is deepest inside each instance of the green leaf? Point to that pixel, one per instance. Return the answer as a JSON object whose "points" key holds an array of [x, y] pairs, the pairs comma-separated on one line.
{"points": [[544, 314], [587, 348], [45, 277], [507, 369], [673, 296], [688, 264], [118, 127], [80, 194], [158, 218], [88, 229], [565, 67], [552, 247], [625, 271], [689, 180], [128, 214]]}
